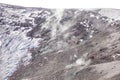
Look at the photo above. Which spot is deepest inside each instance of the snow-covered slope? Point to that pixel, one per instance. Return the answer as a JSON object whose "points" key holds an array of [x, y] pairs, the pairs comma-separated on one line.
{"points": [[56, 44], [15, 23]]}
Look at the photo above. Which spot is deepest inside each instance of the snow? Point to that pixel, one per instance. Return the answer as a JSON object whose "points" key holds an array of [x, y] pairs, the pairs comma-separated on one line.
{"points": [[81, 40], [75, 55], [80, 61], [91, 36], [46, 58], [92, 15], [14, 49]]}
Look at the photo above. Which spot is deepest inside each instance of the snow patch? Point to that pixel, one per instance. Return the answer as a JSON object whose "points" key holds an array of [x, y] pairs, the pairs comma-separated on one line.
{"points": [[80, 61], [14, 50], [83, 61]]}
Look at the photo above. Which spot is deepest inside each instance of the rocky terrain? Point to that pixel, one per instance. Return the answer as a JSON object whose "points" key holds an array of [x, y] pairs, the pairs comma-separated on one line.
{"points": [[59, 44]]}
